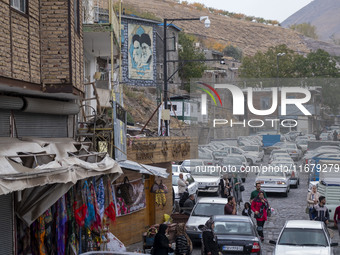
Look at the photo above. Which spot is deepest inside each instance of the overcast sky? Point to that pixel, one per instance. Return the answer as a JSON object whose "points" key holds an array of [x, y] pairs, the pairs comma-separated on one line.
{"points": [[267, 9]]}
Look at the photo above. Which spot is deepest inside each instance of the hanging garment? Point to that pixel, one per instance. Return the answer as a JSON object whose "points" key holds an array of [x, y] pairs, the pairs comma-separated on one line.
{"points": [[79, 206], [97, 221], [90, 217], [109, 205], [49, 240], [61, 220], [71, 244], [100, 197], [41, 235]]}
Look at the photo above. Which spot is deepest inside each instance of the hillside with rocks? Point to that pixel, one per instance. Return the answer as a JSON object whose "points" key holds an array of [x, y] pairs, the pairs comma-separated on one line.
{"points": [[249, 36], [323, 14]]}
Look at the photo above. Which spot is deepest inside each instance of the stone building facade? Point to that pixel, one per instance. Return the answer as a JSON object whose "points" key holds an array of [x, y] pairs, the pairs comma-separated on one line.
{"points": [[42, 45]]}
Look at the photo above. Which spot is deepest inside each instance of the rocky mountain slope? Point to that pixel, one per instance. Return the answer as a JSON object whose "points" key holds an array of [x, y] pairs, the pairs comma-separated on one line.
{"points": [[323, 14], [248, 36]]}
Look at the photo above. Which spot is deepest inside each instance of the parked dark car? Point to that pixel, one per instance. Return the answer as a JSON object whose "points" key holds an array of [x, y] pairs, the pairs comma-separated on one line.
{"points": [[236, 235]]}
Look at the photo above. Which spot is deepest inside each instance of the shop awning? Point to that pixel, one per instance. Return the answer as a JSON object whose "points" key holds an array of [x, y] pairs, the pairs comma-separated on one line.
{"points": [[143, 169], [45, 169]]}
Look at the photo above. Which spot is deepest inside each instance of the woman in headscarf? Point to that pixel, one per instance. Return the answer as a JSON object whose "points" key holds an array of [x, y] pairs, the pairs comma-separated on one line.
{"points": [[161, 244], [259, 206], [236, 184], [209, 241], [183, 242]]}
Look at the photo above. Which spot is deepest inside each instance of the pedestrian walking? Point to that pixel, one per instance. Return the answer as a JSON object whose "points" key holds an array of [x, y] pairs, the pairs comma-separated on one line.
{"points": [[255, 192], [209, 242], [183, 242], [182, 185], [161, 245], [247, 209], [312, 200], [335, 136], [337, 218], [321, 211], [259, 206], [225, 188], [230, 207], [236, 187]]}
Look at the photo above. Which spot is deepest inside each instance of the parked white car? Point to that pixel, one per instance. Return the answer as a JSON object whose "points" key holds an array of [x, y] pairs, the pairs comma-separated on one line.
{"points": [[191, 164], [256, 150], [273, 181], [251, 158], [203, 210], [208, 181], [304, 237]]}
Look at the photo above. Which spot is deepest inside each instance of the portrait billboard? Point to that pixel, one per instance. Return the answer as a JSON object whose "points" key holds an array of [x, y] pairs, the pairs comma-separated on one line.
{"points": [[140, 52]]}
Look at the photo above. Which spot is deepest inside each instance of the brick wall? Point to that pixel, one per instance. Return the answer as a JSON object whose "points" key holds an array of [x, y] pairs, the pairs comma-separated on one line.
{"points": [[5, 39], [35, 47]]}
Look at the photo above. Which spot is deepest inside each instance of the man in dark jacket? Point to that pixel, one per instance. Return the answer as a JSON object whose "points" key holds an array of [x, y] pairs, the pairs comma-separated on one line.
{"points": [[189, 204], [321, 211], [209, 241]]}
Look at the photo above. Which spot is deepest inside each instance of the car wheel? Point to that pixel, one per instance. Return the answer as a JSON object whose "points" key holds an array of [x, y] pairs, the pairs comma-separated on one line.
{"points": [[285, 194]]}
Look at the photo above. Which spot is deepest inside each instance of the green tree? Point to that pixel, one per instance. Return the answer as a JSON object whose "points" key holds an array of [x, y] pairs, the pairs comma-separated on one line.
{"points": [[190, 69], [232, 51], [318, 64], [306, 29]]}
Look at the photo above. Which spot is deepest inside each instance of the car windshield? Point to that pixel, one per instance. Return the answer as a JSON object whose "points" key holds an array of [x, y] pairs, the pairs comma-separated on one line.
{"points": [[208, 209], [206, 171], [192, 163], [219, 154], [303, 237], [233, 228], [250, 148], [303, 142]]}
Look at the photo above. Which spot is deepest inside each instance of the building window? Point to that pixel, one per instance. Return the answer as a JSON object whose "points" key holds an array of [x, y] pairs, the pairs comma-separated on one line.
{"points": [[76, 16], [265, 103], [19, 5]]}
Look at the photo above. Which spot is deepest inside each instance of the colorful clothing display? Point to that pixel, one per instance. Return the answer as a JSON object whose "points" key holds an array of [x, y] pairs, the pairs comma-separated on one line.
{"points": [[74, 224]]}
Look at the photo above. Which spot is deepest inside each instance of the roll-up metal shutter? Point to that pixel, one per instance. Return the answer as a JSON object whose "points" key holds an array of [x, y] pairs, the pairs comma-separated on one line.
{"points": [[11, 103], [41, 125], [38, 105], [4, 123], [6, 225]]}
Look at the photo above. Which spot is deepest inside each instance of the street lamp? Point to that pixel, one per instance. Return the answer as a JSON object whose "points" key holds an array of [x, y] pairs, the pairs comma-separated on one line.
{"points": [[165, 69], [277, 62]]}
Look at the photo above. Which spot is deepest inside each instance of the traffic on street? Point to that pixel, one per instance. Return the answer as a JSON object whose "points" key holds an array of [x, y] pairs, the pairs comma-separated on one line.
{"points": [[286, 174]]}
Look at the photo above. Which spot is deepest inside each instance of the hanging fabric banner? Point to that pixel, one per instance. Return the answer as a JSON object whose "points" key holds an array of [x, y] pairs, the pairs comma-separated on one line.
{"points": [[129, 197]]}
